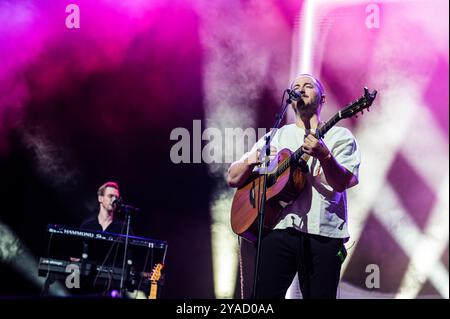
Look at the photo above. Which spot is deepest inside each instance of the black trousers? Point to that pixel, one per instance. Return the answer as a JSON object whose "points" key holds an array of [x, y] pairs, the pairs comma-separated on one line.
{"points": [[288, 251]]}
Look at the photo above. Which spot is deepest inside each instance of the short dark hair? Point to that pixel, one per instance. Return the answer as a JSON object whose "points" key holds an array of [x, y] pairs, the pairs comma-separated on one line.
{"points": [[102, 188]]}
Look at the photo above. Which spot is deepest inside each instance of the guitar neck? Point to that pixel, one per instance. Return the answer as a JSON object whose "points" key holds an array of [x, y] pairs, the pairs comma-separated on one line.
{"points": [[153, 290], [296, 156], [319, 134]]}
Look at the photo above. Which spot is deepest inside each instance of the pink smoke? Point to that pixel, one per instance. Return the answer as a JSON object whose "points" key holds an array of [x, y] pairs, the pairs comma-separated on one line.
{"points": [[40, 56]]}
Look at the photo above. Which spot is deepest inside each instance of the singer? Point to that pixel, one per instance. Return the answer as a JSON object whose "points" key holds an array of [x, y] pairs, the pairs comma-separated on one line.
{"points": [[107, 220], [308, 238]]}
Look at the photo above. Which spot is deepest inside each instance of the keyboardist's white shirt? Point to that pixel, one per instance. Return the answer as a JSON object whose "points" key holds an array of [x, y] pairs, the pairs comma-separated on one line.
{"points": [[319, 209]]}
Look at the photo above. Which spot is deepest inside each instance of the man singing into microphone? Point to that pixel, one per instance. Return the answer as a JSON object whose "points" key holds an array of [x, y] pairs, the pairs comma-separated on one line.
{"points": [[309, 236], [106, 220]]}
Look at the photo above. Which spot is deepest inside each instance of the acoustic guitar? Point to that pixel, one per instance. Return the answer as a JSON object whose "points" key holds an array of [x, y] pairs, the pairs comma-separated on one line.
{"points": [[285, 179]]}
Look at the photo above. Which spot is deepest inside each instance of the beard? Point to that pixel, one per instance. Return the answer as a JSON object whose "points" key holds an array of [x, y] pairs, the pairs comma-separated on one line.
{"points": [[306, 109]]}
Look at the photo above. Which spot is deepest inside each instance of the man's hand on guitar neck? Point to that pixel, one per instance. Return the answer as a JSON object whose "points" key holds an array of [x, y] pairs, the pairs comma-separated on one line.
{"points": [[316, 148], [337, 176]]}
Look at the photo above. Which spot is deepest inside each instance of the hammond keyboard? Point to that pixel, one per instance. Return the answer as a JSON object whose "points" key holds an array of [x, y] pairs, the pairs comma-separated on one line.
{"points": [[99, 257], [105, 236]]}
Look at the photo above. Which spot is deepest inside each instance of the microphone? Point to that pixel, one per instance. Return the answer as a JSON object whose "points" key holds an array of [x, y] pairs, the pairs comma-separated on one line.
{"points": [[129, 208], [120, 206], [294, 95], [117, 203]]}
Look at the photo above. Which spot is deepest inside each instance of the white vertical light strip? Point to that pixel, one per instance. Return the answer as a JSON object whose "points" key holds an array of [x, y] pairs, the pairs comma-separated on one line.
{"points": [[303, 45], [307, 38], [301, 63], [224, 246]]}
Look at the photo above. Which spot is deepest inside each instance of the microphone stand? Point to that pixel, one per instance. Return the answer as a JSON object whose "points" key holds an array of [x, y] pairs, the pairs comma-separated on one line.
{"points": [[127, 209], [262, 208]]}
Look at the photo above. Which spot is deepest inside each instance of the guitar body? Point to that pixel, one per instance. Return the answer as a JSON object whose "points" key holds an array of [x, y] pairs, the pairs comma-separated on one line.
{"points": [[281, 191]]}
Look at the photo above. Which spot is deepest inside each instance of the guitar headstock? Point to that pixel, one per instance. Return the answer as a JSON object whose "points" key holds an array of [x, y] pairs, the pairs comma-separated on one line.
{"points": [[364, 102], [156, 272]]}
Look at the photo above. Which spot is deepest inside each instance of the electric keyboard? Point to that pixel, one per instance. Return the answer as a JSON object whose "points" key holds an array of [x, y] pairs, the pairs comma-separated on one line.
{"points": [[105, 236], [98, 258]]}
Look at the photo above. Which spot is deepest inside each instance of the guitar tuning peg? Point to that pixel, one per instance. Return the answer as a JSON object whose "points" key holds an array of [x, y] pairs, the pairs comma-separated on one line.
{"points": [[362, 112], [368, 109]]}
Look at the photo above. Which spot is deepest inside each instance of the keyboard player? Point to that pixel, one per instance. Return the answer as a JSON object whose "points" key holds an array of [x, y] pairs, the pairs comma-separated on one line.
{"points": [[107, 220]]}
